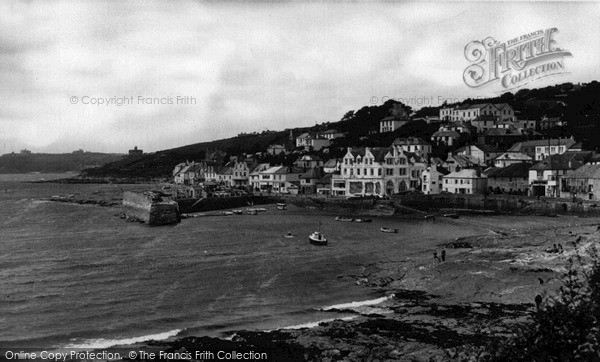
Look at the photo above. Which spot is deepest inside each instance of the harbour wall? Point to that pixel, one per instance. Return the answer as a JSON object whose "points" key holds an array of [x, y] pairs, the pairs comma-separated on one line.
{"points": [[150, 208], [499, 203]]}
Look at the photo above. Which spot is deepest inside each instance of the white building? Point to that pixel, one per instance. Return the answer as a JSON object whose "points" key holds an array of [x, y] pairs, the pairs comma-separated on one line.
{"points": [[377, 171], [414, 144], [432, 179], [509, 158], [467, 181]]}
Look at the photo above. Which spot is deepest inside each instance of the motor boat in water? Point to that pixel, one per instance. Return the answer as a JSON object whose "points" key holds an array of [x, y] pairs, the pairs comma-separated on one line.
{"points": [[388, 230], [344, 219], [317, 238], [289, 235]]}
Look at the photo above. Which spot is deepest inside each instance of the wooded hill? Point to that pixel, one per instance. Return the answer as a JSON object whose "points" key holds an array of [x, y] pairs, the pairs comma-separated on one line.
{"points": [[578, 104]]}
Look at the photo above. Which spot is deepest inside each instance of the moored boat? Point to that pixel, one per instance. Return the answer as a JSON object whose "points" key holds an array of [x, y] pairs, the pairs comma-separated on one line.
{"points": [[452, 216], [388, 230], [317, 238], [344, 219], [362, 220], [252, 212], [237, 212], [281, 204], [227, 213]]}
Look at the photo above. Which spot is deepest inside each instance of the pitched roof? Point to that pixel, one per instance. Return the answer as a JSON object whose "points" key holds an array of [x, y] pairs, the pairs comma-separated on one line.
{"points": [[331, 163], [481, 146], [552, 142], [452, 134], [464, 173], [485, 118], [517, 170], [313, 173], [410, 141], [513, 156], [502, 132], [557, 162], [585, 171]]}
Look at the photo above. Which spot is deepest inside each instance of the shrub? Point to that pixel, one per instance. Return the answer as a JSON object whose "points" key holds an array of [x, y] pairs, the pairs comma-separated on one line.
{"points": [[564, 327]]}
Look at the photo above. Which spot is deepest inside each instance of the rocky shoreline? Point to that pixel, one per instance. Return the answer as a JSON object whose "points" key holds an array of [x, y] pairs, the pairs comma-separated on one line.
{"points": [[434, 311]]}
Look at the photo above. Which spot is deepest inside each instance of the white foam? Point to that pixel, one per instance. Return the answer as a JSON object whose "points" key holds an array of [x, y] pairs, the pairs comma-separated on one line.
{"points": [[106, 343], [364, 303], [316, 324]]}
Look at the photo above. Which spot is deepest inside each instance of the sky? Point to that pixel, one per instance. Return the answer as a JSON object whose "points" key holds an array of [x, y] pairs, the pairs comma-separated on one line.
{"points": [[246, 66]]}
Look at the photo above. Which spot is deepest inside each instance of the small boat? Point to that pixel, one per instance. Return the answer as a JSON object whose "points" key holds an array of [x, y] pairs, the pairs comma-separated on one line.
{"points": [[363, 220], [252, 212], [344, 219], [288, 235], [452, 216], [237, 212], [317, 238], [388, 230], [281, 204], [430, 216], [227, 213], [280, 207]]}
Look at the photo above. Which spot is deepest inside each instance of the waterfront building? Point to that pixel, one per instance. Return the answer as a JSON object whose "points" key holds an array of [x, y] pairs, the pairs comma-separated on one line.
{"points": [[377, 171], [432, 179], [276, 179], [583, 182], [514, 178], [545, 176], [308, 180], [467, 181]]}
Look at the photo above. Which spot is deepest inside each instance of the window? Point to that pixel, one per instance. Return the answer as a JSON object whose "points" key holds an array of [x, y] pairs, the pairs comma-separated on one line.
{"points": [[358, 171], [379, 172], [365, 171], [389, 171], [389, 161], [371, 172]]}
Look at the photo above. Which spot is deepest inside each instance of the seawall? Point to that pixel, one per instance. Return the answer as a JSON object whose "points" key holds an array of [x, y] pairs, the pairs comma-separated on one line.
{"points": [[499, 203], [150, 208]]}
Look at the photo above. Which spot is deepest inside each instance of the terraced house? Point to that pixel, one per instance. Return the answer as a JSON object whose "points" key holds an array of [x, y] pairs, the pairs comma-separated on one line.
{"points": [[377, 171]]}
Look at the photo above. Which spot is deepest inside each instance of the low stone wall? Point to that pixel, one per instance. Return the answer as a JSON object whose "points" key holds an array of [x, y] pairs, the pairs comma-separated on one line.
{"points": [[220, 203], [365, 206], [149, 208], [498, 203]]}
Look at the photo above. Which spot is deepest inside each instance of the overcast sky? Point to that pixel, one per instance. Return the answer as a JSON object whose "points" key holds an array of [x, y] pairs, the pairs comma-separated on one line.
{"points": [[249, 66]]}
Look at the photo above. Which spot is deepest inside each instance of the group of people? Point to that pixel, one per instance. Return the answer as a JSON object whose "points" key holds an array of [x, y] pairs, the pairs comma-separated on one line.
{"points": [[439, 258]]}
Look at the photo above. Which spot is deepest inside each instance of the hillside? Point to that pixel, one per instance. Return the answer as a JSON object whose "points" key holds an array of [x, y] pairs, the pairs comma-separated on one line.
{"points": [[578, 104], [26, 162]]}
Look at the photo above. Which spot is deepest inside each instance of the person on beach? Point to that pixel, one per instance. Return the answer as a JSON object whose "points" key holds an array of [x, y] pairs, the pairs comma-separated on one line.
{"points": [[443, 254], [435, 256]]}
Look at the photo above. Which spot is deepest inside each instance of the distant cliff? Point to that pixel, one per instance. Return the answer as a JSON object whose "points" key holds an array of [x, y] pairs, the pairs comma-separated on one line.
{"points": [[54, 162]]}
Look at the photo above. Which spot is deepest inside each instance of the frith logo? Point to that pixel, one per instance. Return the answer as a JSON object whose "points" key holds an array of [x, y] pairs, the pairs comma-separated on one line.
{"points": [[516, 62]]}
